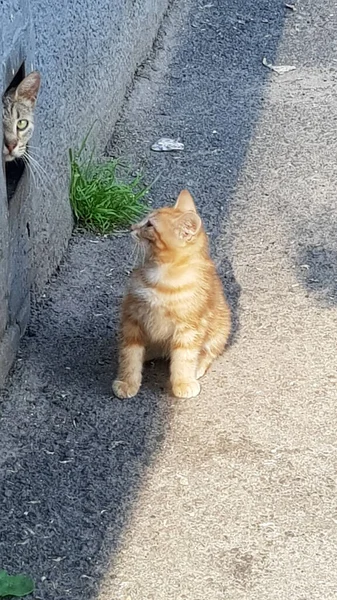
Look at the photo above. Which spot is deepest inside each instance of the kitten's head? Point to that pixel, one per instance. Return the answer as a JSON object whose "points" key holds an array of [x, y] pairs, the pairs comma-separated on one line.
{"points": [[171, 231], [18, 116]]}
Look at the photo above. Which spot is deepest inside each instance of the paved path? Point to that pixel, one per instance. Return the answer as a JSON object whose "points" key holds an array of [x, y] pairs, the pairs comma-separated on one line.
{"points": [[230, 495]]}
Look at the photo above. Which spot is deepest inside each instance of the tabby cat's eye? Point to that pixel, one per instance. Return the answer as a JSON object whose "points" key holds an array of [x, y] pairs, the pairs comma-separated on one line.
{"points": [[22, 124]]}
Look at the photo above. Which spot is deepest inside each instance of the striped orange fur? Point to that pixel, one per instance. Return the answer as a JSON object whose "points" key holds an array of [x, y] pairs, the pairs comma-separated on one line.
{"points": [[175, 306]]}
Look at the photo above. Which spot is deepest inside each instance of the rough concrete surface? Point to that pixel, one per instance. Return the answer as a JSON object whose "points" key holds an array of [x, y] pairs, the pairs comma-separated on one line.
{"points": [[85, 71], [231, 495]]}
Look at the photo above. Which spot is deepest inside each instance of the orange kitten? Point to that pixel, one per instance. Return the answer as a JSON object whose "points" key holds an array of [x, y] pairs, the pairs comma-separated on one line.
{"points": [[175, 306]]}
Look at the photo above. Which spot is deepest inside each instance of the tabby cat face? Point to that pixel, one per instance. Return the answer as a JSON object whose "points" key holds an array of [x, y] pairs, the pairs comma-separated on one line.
{"points": [[18, 116]]}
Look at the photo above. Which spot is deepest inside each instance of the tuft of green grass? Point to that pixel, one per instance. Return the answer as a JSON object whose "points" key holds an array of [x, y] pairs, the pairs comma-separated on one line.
{"points": [[104, 196], [15, 585]]}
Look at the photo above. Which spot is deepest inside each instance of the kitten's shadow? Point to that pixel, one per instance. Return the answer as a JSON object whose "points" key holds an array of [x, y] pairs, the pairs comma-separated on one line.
{"points": [[232, 291]]}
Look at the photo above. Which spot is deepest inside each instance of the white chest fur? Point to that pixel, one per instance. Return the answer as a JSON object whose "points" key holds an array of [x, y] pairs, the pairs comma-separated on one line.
{"points": [[153, 313]]}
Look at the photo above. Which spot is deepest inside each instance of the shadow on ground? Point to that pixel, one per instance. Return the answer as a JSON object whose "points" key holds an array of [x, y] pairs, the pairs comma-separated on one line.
{"points": [[72, 459], [318, 272]]}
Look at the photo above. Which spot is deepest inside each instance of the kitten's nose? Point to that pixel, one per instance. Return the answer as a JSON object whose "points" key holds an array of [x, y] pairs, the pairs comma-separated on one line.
{"points": [[11, 146]]}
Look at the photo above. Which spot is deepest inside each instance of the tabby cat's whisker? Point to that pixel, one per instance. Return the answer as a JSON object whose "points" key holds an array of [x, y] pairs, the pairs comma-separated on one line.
{"points": [[29, 169], [38, 176], [32, 173], [38, 165], [39, 171], [26, 161]]}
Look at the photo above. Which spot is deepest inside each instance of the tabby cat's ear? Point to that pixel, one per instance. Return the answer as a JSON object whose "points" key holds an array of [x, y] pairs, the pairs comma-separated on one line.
{"points": [[187, 226], [29, 87], [185, 202]]}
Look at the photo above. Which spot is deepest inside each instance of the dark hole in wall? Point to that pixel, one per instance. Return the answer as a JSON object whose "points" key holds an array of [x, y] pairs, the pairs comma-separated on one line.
{"points": [[14, 172], [14, 169]]}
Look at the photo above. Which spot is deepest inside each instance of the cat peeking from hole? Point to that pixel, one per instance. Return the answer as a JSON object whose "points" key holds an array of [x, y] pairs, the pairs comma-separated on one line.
{"points": [[18, 117], [175, 306]]}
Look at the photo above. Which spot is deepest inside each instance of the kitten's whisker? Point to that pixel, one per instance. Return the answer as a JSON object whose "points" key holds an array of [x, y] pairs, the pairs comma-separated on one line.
{"points": [[143, 254], [136, 256], [133, 256], [134, 250]]}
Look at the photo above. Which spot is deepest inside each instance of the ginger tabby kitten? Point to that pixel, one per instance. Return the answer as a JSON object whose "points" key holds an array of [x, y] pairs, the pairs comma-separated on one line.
{"points": [[175, 306]]}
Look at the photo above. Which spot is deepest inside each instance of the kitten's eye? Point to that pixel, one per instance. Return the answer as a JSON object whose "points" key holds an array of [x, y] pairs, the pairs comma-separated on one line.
{"points": [[22, 124]]}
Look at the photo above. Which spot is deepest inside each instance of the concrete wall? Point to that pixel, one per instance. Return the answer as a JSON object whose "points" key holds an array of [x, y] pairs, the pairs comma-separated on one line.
{"points": [[87, 52]]}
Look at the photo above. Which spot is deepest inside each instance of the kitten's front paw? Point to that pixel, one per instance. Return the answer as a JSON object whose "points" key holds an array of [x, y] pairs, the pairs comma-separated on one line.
{"points": [[122, 389], [190, 389]]}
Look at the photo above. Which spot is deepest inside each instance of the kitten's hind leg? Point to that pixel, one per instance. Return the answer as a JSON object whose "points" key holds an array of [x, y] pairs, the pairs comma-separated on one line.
{"points": [[212, 348], [131, 359], [205, 361]]}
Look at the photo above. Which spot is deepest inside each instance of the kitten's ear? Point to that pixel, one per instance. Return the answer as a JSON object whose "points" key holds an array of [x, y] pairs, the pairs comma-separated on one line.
{"points": [[29, 87], [187, 226], [185, 202]]}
